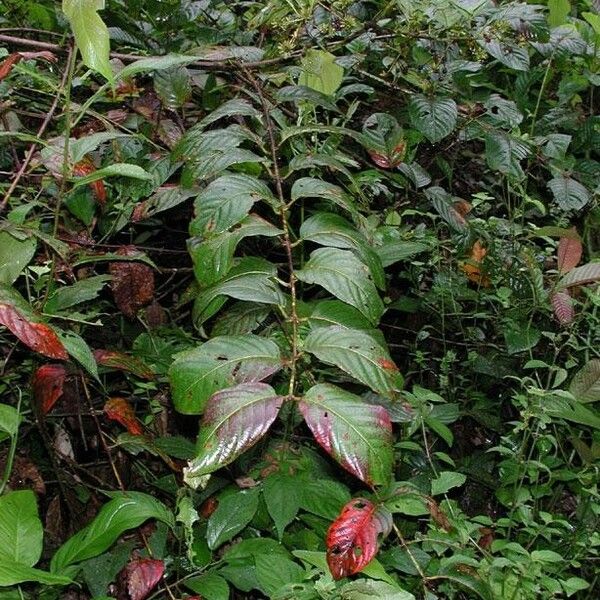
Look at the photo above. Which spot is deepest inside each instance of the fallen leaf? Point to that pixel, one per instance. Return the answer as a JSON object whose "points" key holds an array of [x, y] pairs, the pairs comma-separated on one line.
{"points": [[85, 167], [437, 514], [208, 507], [37, 336], [47, 383], [12, 59], [352, 539], [472, 267], [124, 362], [142, 575], [132, 284], [118, 409]]}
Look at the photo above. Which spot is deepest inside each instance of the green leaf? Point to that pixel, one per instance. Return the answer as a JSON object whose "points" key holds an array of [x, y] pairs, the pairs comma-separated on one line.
{"points": [[234, 512], [78, 348], [241, 318], [234, 107], [365, 590], [126, 510], [91, 34], [568, 193], [329, 229], [234, 420], [445, 481], [226, 201], [12, 573], [274, 572], [320, 72], [15, 255], [520, 337], [504, 152], [302, 93], [221, 362], [357, 435], [210, 585], [394, 251], [435, 118], [9, 420], [507, 52], [280, 492], [155, 63], [358, 354], [572, 411], [21, 530], [346, 277], [323, 497], [336, 312], [252, 279], [585, 385], [84, 145], [173, 86], [114, 170], [309, 187], [71, 295]]}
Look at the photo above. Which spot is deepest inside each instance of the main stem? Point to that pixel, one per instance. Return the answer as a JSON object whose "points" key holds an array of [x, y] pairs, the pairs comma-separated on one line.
{"points": [[286, 240]]}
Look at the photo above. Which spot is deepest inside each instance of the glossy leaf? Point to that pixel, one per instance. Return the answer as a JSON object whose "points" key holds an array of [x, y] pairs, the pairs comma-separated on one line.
{"points": [[234, 420], [15, 255], [435, 118], [86, 167], [352, 539], [585, 385], [358, 354], [21, 530], [13, 573], [142, 576], [47, 383], [115, 170], [346, 277], [9, 421], [569, 254], [568, 193], [329, 229], [126, 510], [118, 409], [71, 295], [173, 86], [234, 512], [37, 336], [357, 435], [281, 499], [220, 363], [91, 34], [310, 187]]}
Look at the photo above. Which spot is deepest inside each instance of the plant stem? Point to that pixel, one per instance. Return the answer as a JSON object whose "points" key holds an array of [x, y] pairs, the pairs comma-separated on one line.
{"points": [[11, 451]]}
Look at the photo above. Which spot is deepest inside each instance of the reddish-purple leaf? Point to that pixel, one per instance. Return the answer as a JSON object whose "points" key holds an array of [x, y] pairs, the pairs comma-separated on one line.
{"points": [[142, 575], [47, 383], [125, 362], [132, 284], [37, 336], [588, 273], [118, 409], [234, 420], [356, 434], [352, 540], [562, 303], [569, 254]]}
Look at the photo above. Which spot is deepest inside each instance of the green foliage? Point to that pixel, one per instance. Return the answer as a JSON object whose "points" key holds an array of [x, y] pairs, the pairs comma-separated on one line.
{"points": [[349, 248]]}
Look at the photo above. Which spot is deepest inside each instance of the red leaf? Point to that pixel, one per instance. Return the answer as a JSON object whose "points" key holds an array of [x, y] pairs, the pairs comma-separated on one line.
{"points": [[48, 382], [142, 575], [85, 167], [352, 538], [120, 360], [8, 63], [387, 364], [118, 409], [132, 284], [562, 303], [569, 254], [37, 336]]}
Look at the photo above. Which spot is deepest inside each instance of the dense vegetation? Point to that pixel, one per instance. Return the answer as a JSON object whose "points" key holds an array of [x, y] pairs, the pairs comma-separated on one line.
{"points": [[298, 299]]}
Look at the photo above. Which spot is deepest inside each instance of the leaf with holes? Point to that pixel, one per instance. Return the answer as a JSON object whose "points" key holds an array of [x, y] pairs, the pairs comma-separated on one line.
{"points": [[569, 254], [234, 420], [383, 139], [124, 362], [353, 538], [588, 273], [357, 435], [435, 118], [118, 409], [329, 229], [142, 575], [346, 277], [132, 284], [357, 353], [221, 362], [586, 382], [37, 336], [47, 383], [562, 304]]}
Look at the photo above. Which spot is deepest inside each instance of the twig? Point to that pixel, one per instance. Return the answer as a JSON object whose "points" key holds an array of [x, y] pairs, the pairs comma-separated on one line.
{"points": [[39, 134]]}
